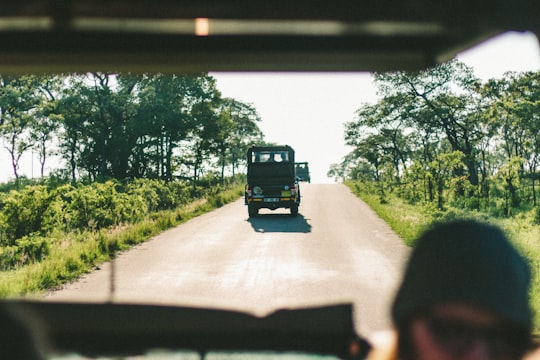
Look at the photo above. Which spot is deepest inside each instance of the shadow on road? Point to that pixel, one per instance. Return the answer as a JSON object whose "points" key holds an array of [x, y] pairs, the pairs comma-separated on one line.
{"points": [[280, 223]]}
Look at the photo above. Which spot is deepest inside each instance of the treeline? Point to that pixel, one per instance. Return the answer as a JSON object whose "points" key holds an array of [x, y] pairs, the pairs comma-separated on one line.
{"points": [[445, 138], [125, 126]]}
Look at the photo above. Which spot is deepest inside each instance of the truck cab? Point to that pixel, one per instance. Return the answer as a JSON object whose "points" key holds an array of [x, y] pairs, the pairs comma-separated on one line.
{"points": [[271, 179]]}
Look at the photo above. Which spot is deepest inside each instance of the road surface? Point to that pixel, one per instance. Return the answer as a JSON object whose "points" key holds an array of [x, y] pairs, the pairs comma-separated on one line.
{"points": [[336, 251]]}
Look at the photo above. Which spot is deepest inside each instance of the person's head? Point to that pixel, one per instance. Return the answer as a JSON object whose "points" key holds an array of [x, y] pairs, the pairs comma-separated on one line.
{"points": [[464, 295]]}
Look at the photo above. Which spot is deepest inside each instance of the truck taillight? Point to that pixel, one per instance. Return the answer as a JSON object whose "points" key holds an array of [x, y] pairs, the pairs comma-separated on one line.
{"points": [[249, 191], [293, 190]]}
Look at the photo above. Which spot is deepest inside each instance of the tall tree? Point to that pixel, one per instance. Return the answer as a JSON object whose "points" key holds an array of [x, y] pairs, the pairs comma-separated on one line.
{"points": [[165, 106], [74, 109], [19, 101], [515, 117], [385, 123], [448, 93], [240, 129], [47, 120], [204, 136]]}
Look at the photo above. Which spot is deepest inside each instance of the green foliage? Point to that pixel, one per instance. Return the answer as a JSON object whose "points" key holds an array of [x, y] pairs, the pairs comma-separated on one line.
{"points": [[27, 250], [143, 130], [125, 126], [226, 196], [22, 213], [93, 206], [442, 136], [36, 209], [83, 225], [20, 100], [537, 215]]}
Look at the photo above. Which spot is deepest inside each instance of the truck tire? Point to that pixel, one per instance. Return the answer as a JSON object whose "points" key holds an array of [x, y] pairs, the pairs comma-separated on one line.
{"points": [[252, 211], [294, 210]]}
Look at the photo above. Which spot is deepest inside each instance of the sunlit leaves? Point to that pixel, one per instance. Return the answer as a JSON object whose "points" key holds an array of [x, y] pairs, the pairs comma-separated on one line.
{"points": [[125, 126], [446, 136]]}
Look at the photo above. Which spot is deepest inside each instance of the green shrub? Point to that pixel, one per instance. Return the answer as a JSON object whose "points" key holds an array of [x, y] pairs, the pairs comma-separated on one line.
{"points": [[537, 215], [77, 226], [94, 206], [158, 194], [23, 213], [27, 250]]}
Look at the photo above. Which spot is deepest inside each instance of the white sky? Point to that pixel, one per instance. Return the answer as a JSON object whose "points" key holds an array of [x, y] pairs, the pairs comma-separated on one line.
{"points": [[308, 110]]}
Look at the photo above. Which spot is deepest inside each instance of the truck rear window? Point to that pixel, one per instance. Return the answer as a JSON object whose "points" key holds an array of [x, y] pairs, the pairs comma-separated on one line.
{"points": [[269, 156]]}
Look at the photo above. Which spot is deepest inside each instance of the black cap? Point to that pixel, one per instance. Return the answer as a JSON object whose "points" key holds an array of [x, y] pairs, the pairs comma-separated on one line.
{"points": [[467, 262]]}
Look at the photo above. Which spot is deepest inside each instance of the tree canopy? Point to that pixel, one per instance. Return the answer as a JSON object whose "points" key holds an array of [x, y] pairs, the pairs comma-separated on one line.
{"points": [[125, 126], [444, 136]]}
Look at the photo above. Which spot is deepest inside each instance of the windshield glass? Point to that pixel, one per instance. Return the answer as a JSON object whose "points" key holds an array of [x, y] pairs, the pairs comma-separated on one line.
{"points": [[131, 188]]}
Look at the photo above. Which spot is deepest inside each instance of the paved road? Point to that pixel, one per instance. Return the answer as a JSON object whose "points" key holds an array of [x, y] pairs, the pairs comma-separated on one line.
{"points": [[337, 250]]}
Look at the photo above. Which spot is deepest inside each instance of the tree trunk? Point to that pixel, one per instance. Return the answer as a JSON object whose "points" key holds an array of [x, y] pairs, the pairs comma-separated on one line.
{"points": [[440, 199]]}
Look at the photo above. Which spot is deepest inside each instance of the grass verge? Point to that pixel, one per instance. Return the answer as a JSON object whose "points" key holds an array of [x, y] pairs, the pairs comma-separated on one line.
{"points": [[408, 221]]}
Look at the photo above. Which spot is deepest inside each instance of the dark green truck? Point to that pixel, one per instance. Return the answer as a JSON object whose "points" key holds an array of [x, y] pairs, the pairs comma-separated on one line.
{"points": [[271, 179]]}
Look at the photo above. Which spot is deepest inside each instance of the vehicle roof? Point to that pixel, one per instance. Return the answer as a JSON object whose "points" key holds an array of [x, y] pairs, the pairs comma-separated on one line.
{"points": [[271, 148], [249, 35]]}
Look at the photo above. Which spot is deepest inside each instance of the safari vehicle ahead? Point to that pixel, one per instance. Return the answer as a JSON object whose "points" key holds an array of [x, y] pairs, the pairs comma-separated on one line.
{"points": [[302, 171], [271, 179]]}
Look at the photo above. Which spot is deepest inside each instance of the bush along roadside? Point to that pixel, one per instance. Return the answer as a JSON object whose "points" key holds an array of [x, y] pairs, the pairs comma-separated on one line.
{"points": [[52, 236]]}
